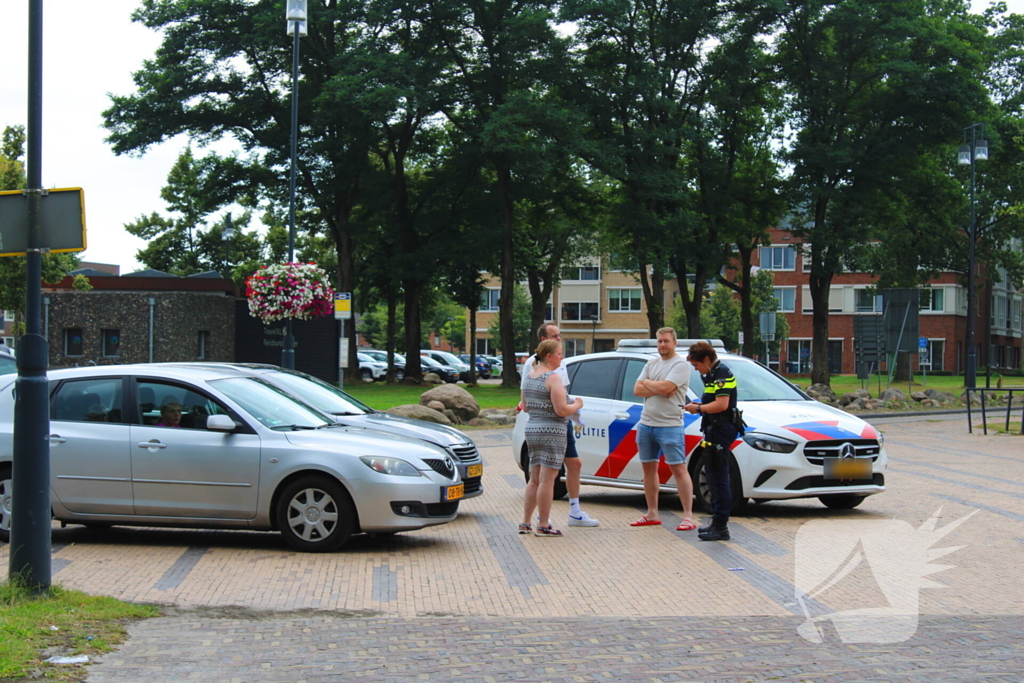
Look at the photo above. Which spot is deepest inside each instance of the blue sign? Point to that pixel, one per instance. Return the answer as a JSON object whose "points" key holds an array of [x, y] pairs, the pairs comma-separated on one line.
{"points": [[922, 342]]}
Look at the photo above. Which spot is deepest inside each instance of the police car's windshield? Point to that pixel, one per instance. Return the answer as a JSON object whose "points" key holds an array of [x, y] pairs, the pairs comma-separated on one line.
{"points": [[754, 382]]}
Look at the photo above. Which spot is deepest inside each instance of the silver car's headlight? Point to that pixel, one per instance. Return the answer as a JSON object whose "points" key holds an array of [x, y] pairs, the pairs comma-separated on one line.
{"points": [[767, 442], [399, 468]]}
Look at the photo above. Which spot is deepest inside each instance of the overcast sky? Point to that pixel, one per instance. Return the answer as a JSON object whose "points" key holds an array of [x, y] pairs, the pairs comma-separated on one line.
{"points": [[90, 49]]}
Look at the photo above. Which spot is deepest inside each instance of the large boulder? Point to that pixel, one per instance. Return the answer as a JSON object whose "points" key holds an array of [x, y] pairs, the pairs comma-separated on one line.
{"points": [[941, 396], [893, 394], [919, 396], [454, 398], [822, 392], [417, 412]]}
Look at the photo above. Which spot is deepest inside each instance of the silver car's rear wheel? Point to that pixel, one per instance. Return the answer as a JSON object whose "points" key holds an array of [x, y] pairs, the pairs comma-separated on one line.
{"points": [[315, 514], [5, 503]]}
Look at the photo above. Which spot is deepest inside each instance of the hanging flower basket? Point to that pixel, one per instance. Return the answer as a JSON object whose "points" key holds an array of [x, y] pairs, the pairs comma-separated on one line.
{"points": [[289, 290]]}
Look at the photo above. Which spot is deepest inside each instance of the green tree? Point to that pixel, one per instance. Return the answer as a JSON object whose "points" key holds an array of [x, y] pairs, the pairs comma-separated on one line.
{"points": [[520, 320], [872, 86]]}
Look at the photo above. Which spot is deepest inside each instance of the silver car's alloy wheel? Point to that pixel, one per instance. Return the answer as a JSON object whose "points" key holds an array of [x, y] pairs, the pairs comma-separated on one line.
{"points": [[5, 504], [315, 514]]}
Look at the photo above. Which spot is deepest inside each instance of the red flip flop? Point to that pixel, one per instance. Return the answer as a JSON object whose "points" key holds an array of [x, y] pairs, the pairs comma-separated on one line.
{"points": [[643, 521], [686, 525]]}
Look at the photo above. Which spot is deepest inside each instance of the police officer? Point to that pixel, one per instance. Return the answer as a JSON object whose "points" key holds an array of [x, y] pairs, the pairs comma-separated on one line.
{"points": [[718, 411]]}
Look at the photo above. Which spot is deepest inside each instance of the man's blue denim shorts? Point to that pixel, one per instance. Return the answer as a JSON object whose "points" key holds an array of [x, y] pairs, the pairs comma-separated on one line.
{"points": [[653, 441]]}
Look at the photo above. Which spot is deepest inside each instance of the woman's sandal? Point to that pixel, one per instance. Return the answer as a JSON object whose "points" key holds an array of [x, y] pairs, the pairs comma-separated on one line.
{"points": [[524, 529], [546, 531]]}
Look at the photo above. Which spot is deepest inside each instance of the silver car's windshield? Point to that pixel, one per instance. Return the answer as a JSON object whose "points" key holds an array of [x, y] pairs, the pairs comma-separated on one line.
{"points": [[271, 406], [754, 382], [319, 394]]}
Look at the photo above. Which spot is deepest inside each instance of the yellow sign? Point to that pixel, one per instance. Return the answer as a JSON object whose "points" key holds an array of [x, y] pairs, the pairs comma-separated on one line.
{"points": [[342, 305], [61, 221]]}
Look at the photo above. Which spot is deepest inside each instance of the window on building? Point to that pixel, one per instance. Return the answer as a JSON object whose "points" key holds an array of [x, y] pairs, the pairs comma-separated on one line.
{"points": [[549, 312], [489, 299], [581, 273], [798, 356], [580, 310], [8, 316], [779, 258], [204, 340], [73, 341], [933, 299], [111, 342], [867, 301], [786, 296], [485, 347], [9, 342], [574, 347], [623, 300]]}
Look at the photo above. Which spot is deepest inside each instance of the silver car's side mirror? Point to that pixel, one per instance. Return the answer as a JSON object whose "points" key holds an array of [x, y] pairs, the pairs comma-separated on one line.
{"points": [[220, 423]]}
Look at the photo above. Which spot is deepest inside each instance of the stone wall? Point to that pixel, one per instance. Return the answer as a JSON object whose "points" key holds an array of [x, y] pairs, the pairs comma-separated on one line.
{"points": [[178, 318]]}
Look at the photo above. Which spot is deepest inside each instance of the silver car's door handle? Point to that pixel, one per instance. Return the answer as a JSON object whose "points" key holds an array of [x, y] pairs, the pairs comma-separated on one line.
{"points": [[621, 416], [56, 438], [152, 444]]}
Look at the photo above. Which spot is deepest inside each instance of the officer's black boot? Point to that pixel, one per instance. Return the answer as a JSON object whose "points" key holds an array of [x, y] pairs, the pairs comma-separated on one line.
{"points": [[716, 531]]}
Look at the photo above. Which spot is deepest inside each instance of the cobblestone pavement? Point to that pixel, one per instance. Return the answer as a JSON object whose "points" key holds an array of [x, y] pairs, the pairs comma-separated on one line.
{"points": [[472, 600]]}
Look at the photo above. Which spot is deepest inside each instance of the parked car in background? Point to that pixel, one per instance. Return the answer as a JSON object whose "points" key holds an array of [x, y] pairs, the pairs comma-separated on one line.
{"points": [[451, 360], [347, 410], [8, 364], [483, 366], [794, 446], [445, 372], [371, 369], [382, 357], [246, 455], [496, 364]]}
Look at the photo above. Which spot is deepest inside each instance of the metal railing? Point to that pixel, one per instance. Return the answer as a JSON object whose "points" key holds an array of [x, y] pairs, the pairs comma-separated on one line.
{"points": [[984, 416]]}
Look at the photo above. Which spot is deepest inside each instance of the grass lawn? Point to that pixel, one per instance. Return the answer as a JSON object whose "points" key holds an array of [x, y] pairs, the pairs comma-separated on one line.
{"points": [[843, 384], [382, 396], [73, 622]]}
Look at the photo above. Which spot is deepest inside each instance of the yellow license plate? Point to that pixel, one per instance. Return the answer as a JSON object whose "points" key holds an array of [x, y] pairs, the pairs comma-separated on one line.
{"points": [[847, 468], [475, 470], [454, 492]]}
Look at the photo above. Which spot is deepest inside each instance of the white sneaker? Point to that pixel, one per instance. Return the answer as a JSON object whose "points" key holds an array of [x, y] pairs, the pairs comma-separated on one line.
{"points": [[582, 519]]}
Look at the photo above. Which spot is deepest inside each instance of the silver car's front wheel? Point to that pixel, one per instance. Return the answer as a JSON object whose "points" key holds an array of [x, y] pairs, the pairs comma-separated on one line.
{"points": [[315, 514], [5, 503]]}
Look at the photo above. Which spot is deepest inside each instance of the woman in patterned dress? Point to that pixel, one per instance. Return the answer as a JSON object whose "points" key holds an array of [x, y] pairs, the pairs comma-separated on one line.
{"points": [[544, 398]]}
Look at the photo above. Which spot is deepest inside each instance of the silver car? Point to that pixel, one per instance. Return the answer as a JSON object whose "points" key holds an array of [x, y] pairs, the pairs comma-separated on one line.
{"points": [[330, 400], [152, 445]]}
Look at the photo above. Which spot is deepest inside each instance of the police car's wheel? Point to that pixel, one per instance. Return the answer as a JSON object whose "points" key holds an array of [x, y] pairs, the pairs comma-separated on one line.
{"points": [[561, 489], [702, 492], [5, 503], [842, 501]]}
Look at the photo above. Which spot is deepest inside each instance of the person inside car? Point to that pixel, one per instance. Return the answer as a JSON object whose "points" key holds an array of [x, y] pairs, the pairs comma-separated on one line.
{"points": [[170, 415]]}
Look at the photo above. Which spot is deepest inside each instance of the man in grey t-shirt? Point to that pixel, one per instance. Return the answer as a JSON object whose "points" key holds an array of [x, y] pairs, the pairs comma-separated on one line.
{"points": [[662, 384]]}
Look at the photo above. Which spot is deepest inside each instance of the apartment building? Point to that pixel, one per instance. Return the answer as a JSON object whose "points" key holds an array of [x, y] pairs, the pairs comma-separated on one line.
{"points": [[942, 315], [593, 306]]}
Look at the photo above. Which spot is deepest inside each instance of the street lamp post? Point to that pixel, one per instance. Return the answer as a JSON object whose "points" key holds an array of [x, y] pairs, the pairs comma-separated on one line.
{"points": [[228, 234], [970, 153], [295, 15]]}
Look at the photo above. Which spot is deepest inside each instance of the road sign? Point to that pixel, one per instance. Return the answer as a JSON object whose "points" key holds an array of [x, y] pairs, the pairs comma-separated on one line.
{"points": [[61, 221], [342, 305], [922, 344], [741, 337]]}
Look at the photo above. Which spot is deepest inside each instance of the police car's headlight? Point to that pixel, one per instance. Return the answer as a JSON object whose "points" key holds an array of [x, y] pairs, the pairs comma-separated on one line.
{"points": [[881, 437], [399, 468], [767, 442]]}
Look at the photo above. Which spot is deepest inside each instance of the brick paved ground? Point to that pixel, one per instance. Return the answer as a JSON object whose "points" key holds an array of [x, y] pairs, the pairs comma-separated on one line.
{"points": [[474, 601]]}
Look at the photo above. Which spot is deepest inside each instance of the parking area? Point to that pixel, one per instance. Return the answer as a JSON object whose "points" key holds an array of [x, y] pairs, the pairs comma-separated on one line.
{"points": [[477, 573]]}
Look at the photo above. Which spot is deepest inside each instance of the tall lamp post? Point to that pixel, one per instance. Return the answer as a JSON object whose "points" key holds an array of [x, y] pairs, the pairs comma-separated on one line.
{"points": [[973, 149], [228, 234], [295, 15]]}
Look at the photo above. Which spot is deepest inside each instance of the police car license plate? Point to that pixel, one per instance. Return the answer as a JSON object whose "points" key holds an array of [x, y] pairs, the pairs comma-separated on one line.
{"points": [[848, 468], [453, 492], [475, 470]]}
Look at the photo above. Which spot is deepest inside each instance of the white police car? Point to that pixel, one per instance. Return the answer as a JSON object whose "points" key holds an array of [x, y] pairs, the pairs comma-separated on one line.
{"points": [[794, 446]]}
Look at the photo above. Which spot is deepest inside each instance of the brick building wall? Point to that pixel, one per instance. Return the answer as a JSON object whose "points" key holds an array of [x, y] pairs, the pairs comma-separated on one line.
{"points": [[178, 320]]}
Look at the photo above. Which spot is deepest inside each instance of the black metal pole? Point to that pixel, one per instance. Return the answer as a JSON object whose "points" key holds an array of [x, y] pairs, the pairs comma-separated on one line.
{"points": [[970, 377], [288, 350], [30, 505]]}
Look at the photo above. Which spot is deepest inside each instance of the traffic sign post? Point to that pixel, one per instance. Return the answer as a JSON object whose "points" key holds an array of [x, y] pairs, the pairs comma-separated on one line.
{"points": [[61, 220], [343, 305]]}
